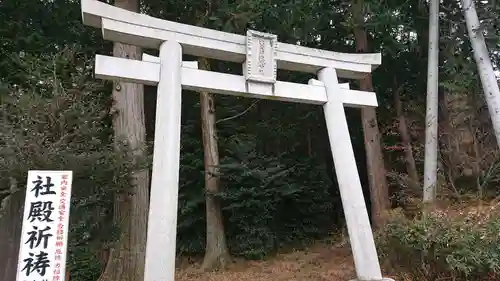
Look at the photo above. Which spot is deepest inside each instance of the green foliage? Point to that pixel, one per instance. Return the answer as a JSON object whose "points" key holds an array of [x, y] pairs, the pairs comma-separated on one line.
{"points": [[41, 28], [267, 203], [461, 248]]}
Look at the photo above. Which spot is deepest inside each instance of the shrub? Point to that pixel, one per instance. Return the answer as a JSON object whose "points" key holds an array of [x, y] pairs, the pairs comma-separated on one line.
{"points": [[464, 246], [267, 202]]}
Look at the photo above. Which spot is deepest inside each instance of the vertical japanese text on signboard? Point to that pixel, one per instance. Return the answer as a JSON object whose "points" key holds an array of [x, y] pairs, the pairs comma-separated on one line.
{"points": [[42, 250], [38, 236]]}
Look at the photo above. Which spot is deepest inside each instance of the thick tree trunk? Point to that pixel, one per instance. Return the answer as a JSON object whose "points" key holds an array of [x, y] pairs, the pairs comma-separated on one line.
{"points": [[11, 212], [216, 251], [411, 166], [379, 193], [126, 259], [431, 116]]}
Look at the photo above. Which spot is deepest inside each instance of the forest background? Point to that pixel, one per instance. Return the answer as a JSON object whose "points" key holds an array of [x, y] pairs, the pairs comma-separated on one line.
{"points": [[256, 177]]}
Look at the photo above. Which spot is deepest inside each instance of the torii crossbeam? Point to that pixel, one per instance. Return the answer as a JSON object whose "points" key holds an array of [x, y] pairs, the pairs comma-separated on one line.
{"points": [[261, 55]]}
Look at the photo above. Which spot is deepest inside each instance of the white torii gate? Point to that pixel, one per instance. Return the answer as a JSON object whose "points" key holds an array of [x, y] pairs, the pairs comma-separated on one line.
{"points": [[261, 55]]}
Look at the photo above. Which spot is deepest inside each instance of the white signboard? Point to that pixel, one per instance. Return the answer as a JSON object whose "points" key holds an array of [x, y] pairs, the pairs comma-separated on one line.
{"points": [[42, 254], [261, 63]]}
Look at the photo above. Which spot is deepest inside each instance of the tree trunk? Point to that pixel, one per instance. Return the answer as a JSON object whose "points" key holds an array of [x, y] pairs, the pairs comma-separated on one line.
{"points": [[431, 116], [446, 139], [11, 212], [309, 143], [421, 12], [379, 193], [216, 251], [485, 68], [411, 166], [126, 259]]}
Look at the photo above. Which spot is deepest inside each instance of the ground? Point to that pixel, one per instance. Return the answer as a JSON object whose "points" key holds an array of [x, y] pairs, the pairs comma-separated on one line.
{"points": [[320, 262], [325, 260]]}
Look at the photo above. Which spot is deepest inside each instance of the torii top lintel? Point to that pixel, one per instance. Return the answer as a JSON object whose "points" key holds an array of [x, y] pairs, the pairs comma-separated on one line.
{"points": [[120, 25]]}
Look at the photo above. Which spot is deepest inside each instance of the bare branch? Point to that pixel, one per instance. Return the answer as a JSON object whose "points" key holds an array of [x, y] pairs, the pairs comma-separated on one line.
{"points": [[239, 114]]}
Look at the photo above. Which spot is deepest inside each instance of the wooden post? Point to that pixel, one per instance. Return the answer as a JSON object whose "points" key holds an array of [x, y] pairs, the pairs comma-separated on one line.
{"points": [[356, 215], [162, 222]]}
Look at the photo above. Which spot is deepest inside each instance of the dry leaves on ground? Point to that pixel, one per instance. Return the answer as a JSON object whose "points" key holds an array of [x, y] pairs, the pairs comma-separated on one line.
{"points": [[319, 263]]}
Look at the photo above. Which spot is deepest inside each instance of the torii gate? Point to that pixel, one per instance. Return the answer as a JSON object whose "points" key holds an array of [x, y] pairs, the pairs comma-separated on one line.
{"points": [[261, 55]]}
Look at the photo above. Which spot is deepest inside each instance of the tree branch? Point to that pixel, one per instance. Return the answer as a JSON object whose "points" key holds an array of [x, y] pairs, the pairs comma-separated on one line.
{"points": [[239, 114]]}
